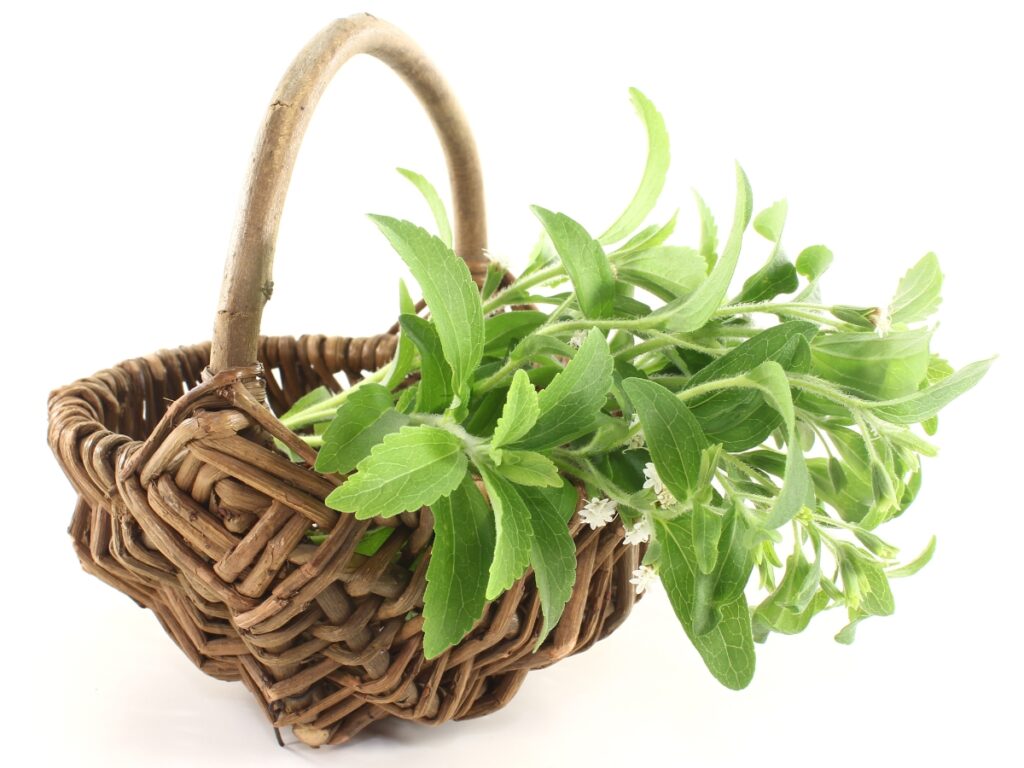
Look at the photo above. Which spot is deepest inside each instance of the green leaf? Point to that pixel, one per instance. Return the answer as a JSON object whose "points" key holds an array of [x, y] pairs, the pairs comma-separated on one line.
{"points": [[770, 222], [915, 565], [797, 489], [692, 312], [457, 574], [372, 541], [880, 368], [405, 352], [584, 260], [514, 533], [648, 238], [667, 271], [570, 404], [814, 261], [926, 403], [918, 294], [520, 412], [308, 400], [654, 172], [708, 233], [433, 199], [409, 469], [673, 435], [707, 530], [787, 611], [778, 275], [526, 467], [361, 422], [552, 553], [501, 331], [769, 344], [449, 290], [435, 388], [728, 648], [740, 418]]}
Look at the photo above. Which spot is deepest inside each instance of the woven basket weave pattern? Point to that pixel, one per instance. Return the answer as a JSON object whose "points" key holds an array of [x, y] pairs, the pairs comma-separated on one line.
{"points": [[185, 508]]}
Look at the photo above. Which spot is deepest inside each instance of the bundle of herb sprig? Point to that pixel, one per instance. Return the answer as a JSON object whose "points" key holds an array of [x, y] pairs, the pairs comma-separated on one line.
{"points": [[733, 434]]}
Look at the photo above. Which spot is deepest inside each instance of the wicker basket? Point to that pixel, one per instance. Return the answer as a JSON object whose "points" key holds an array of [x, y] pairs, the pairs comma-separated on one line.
{"points": [[185, 507]]}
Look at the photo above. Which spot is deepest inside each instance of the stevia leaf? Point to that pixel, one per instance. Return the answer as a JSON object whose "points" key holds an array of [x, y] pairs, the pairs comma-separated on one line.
{"points": [[708, 233], [667, 271], [552, 553], [673, 435], [655, 170], [650, 237], [437, 209], [918, 294], [584, 260], [814, 261], [526, 468], [405, 351], [501, 331], [740, 418], [449, 290], [513, 530], [707, 530], [434, 392], [770, 222], [457, 574], [372, 541], [690, 313], [878, 368], [728, 648], [308, 400], [926, 403], [915, 565], [769, 344], [778, 275], [361, 422], [409, 469], [570, 404], [786, 610], [797, 488], [520, 412]]}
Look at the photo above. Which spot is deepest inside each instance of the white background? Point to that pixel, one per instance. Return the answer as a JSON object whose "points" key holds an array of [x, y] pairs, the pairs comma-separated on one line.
{"points": [[891, 129]]}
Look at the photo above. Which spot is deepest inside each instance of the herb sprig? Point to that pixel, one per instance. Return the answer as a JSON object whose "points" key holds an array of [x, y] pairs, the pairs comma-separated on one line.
{"points": [[727, 446]]}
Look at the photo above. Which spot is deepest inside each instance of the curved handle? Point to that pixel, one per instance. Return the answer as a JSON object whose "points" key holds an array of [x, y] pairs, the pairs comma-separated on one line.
{"points": [[247, 275]]}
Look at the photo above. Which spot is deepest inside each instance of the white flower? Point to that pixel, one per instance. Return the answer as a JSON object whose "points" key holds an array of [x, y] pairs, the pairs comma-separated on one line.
{"points": [[639, 533], [642, 576], [653, 481], [882, 321], [597, 513], [637, 439], [577, 339]]}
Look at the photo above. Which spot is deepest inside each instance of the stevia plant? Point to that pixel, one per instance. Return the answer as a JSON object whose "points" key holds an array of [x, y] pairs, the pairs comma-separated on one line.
{"points": [[731, 433]]}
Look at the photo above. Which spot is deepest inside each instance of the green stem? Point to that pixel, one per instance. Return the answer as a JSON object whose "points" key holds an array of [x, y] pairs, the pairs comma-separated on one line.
{"points": [[794, 309]]}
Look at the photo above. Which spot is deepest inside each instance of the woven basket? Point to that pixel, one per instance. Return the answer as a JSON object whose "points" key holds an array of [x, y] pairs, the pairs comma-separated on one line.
{"points": [[185, 506]]}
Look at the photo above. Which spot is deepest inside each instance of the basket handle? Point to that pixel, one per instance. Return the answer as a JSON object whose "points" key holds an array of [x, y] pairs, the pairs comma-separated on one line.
{"points": [[247, 274]]}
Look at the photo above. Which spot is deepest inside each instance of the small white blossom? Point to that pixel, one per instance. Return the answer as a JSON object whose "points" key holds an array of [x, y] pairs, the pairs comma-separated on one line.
{"points": [[653, 481], [597, 513], [577, 339], [882, 321], [639, 533], [637, 439], [642, 576]]}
